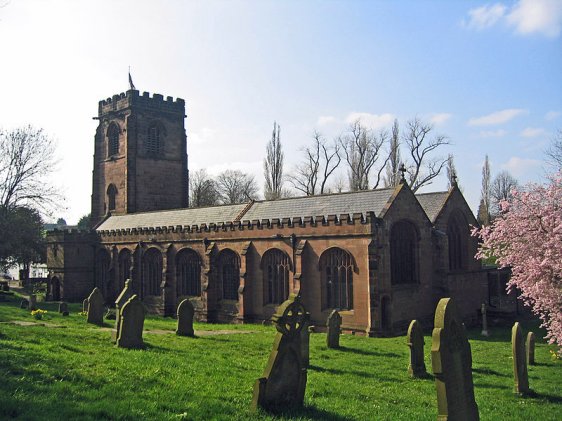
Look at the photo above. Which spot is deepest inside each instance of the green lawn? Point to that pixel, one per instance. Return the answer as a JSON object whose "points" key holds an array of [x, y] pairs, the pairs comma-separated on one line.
{"points": [[71, 370]]}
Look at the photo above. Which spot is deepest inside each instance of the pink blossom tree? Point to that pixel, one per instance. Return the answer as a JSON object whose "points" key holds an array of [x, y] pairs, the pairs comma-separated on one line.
{"points": [[527, 237]]}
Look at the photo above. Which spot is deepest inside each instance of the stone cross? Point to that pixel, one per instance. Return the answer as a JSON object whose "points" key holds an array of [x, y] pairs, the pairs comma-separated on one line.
{"points": [[119, 302], [185, 319], [451, 360], [283, 383], [95, 307], [519, 360], [32, 305], [484, 321], [415, 342], [132, 323], [530, 348], [334, 330], [63, 307]]}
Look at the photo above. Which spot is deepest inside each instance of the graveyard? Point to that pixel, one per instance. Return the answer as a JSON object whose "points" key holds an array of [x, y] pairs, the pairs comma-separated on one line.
{"points": [[61, 367]]}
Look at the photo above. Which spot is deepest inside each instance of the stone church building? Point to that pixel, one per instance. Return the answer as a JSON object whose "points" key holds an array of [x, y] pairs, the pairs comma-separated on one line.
{"points": [[382, 257]]}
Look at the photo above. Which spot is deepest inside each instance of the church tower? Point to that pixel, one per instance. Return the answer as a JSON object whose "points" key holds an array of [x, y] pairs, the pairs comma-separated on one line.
{"points": [[140, 155]]}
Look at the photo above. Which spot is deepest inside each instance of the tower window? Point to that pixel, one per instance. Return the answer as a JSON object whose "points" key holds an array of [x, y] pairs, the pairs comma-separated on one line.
{"points": [[153, 145], [111, 196], [112, 140]]}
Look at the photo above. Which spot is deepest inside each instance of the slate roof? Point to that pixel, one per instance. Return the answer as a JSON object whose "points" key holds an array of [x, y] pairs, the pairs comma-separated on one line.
{"points": [[328, 204], [166, 218], [432, 203]]}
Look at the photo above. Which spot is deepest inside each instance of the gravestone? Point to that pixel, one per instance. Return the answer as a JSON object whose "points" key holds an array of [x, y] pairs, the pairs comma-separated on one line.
{"points": [[519, 361], [415, 342], [85, 305], [484, 321], [123, 297], [185, 319], [305, 340], [451, 360], [530, 348], [131, 324], [32, 305], [95, 307], [63, 307], [334, 330], [24, 303], [283, 383]]}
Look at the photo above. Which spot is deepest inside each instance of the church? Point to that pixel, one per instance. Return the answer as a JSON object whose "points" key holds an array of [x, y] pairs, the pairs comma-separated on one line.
{"points": [[381, 257]]}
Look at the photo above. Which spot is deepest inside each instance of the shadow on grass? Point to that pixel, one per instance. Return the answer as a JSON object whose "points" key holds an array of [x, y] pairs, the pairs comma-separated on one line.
{"points": [[488, 371], [362, 374], [308, 411], [362, 352]]}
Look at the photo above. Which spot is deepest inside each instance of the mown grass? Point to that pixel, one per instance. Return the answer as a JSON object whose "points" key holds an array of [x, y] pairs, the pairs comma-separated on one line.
{"points": [[73, 371]]}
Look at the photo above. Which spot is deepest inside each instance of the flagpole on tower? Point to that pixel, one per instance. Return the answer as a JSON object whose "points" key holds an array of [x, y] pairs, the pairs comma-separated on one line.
{"points": [[131, 84]]}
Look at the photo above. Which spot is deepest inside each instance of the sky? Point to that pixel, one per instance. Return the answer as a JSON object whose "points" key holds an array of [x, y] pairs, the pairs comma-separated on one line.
{"points": [[488, 75]]}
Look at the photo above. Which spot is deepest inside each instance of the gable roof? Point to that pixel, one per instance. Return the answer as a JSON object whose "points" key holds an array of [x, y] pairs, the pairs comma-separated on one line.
{"points": [[432, 203]]}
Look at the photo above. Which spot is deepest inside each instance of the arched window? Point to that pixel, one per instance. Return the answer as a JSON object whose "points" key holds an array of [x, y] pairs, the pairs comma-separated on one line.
{"points": [[336, 267], [103, 261], [152, 272], [457, 235], [229, 272], [153, 141], [275, 267], [188, 273], [124, 267], [404, 253], [111, 196], [113, 140]]}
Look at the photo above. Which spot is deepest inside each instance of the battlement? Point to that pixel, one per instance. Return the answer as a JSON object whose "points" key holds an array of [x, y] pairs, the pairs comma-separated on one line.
{"points": [[133, 99]]}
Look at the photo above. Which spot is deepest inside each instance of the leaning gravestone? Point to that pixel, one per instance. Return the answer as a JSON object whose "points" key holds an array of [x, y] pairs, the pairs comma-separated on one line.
{"points": [[119, 303], [95, 307], [451, 360], [185, 319], [415, 342], [85, 305], [131, 324], [32, 305], [519, 360], [283, 383], [334, 330], [530, 348], [63, 307]]}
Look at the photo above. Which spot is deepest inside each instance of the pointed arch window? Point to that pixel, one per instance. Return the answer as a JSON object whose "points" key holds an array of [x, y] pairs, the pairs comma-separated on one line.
{"points": [[403, 253], [112, 140], [457, 236], [102, 278], [188, 273], [111, 197], [124, 263], [336, 266], [152, 272], [275, 266], [229, 272]]}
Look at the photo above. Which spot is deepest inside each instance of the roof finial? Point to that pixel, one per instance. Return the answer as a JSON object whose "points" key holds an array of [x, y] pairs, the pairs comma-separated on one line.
{"points": [[402, 169], [454, 179], [131, 84]]}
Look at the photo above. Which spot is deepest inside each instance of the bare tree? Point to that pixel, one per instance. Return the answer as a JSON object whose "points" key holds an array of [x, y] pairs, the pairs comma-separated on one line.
{"points": [[423, 168], [27, 158], [554, 151], [273, 166], [393, 176], [501, 188], [202, 189], [235, 186], [321, 160], [485, 195], [362, 149]]}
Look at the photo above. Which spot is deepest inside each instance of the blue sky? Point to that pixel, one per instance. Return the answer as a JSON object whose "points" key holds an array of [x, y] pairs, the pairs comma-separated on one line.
{"points": [[488, 74]]}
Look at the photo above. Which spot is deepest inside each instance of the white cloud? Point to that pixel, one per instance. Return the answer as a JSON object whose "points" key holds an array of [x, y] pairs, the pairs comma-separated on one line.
{"points": [[536, 16], [493, 133], [532, 132], [440, 118], [499, 117], [552, 115], [485, 16], [324, 120], [205, 135], [373, 121], [520, 167]]}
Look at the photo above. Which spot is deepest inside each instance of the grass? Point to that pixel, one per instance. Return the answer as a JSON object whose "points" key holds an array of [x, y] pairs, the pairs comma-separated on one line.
{"points": [[70, 370]]}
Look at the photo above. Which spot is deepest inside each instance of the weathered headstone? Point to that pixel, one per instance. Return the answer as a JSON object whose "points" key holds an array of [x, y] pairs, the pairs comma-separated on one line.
{"points": [[123, 297], [530, 348], [24, 303], [63, 307], [32, 305], [283, 383], [185, 319], [95, 307], [415, 342], [334, 330], [85, 305], [131, 324], [519, 361], [484, 321], [451, 360]]}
